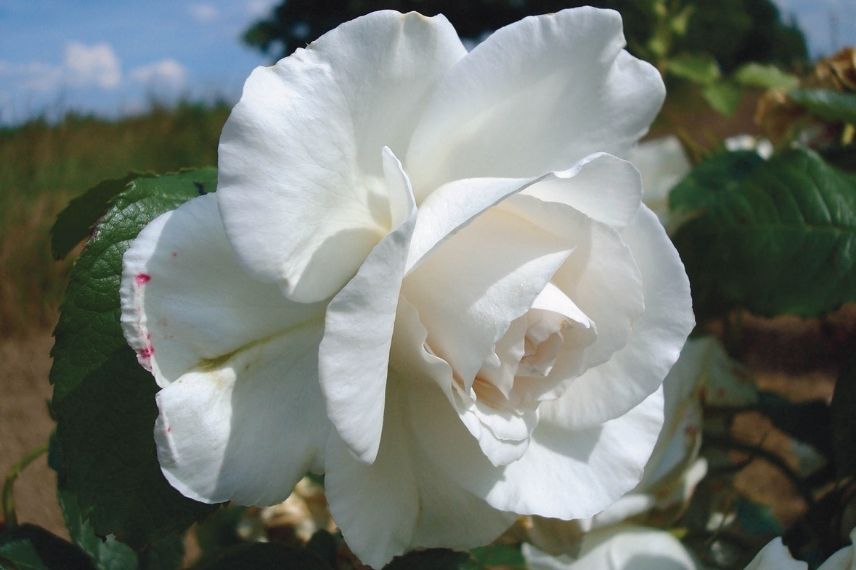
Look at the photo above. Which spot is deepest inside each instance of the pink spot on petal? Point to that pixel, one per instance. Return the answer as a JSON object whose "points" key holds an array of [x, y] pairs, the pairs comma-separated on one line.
{"points": [[168, 429], [143, 278], [174, 253], [146, 352]]}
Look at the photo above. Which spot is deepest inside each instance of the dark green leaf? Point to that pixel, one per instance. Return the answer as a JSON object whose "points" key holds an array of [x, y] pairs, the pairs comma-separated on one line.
{"points": [[755, 519], [264, 556], [782, 241], [723, 96], [432, 559], [505, 555], [107, 554], [765, 77], [698, 68], [843, 411], [702, 187], [829, 105], [219, 530], [103, 400], [110, 554], [75, 222], [29, 547], [166, 553]]}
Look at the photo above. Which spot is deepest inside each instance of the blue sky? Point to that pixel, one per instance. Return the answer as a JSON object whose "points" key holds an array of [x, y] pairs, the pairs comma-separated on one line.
{"points": [[110, 56]]}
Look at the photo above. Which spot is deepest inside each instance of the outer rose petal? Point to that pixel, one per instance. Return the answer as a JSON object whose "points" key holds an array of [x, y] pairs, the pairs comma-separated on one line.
{"points": [[186, 300], [609, 390], [563, 474], [241, 414], [301, 179], [354, 355], [535, 96], [622, 547], [607, 189], [662, 163], [249, 429]]}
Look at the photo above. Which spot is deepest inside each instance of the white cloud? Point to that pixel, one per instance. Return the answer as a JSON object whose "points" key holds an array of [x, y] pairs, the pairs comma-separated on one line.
{"points": [[203, 13], [33, 76], [260, 8], [92, 65], [165, 74]]}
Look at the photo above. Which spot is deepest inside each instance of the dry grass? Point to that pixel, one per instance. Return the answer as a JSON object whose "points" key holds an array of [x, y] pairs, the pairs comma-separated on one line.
{"points": [[44, 165]]}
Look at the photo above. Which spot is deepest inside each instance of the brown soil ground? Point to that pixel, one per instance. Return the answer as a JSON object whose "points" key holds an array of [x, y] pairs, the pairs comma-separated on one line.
{"points": [[25, 424]]}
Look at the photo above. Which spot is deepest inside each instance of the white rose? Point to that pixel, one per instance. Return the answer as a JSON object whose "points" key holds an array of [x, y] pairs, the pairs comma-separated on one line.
{"points": [[423, 276], [776, 556], [620, 547]]}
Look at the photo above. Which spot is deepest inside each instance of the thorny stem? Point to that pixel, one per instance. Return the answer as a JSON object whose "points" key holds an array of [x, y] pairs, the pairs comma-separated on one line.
{"points": [[9, 516]]}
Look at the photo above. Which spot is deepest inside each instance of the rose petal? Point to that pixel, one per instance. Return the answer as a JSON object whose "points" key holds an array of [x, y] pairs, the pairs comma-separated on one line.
{"points": [[563, 474], [611, 389], [301, 176], [535, 96], [186, 299], [473, 285], [606, 189], [402, 500], [248, 428], [662, 163], [354, 354], [622, 547], [600, 277]]}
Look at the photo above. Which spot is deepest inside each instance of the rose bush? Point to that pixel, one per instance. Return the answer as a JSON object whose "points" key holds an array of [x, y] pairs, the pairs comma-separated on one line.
{"points": [[427, 274]]}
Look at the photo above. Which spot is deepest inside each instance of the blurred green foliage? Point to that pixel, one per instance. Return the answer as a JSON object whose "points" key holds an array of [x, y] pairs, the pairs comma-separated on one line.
{"points": [[731, 31]]}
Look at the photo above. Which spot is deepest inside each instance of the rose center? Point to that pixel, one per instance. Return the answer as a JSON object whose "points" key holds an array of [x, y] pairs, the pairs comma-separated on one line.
{"points": [[524, 370]]}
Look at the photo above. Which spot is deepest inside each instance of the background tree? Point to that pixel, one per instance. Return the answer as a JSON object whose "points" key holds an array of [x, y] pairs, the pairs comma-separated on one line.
{"points": [[732, 31]]}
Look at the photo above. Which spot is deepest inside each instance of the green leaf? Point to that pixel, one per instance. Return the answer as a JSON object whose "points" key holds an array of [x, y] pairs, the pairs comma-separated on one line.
{"points": [[108, 554], [723, 96], [29, 547], [103, 400], [698, 68], [431, 559], [219, 530], [783, 240], [264, 556], [506, 555], [702, 187], [75, 222], [843, 411], [166, 553], [765, 77], [829, 105]]}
